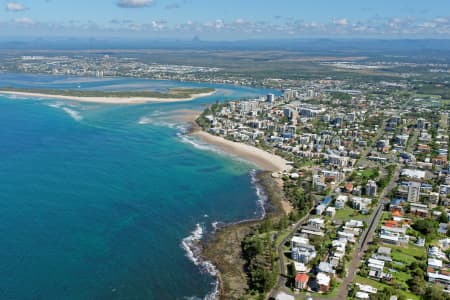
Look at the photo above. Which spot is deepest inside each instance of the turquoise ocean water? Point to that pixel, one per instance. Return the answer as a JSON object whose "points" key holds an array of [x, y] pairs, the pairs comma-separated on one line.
{"points": [[105, 201]]}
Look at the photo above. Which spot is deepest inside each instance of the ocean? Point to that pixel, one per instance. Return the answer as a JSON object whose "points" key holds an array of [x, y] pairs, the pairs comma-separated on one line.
{"points": [[107, 201]]}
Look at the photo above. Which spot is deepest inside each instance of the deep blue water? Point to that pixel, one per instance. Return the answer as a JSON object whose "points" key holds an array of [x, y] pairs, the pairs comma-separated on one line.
{"points": [[97, 199]]}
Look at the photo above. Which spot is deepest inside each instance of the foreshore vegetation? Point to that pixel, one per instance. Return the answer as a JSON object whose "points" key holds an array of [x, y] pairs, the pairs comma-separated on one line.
{"points": [[176, 93]]}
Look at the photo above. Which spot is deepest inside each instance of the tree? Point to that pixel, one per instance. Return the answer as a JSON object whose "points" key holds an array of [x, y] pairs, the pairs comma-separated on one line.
{"points": [[417, 285], [425, 226], [266, 225], [435, 293], [443, 218]]}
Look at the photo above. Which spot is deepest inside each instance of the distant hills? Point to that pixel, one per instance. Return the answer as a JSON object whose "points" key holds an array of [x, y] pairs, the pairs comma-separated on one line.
{"points": [[312, 46]]}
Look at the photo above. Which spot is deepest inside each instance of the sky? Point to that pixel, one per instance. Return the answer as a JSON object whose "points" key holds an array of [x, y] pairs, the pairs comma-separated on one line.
{"points": [[226, 19]]}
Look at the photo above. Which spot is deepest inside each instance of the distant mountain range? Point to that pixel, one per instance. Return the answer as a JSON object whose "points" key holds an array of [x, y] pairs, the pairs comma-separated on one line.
{"points": [[312, 46]]}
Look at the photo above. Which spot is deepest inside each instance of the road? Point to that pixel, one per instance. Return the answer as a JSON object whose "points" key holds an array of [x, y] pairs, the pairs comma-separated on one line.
{"points": [[283, 276], [366, 237]]}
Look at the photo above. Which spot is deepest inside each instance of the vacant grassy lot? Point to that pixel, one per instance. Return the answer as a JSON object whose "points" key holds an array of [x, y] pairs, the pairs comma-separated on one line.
{"points": [[381, 286], [348, 213]]}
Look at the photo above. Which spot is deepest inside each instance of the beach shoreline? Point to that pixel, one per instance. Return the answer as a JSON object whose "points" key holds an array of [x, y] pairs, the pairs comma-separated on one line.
{"points": [[107, 100], [264, 160]]}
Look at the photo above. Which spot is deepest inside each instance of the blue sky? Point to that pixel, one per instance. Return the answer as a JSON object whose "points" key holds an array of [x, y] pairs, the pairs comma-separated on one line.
{"points": [[226, 19]]}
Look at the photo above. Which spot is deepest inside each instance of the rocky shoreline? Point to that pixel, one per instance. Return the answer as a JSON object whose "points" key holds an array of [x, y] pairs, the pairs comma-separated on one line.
{"points": [[224, 249]]}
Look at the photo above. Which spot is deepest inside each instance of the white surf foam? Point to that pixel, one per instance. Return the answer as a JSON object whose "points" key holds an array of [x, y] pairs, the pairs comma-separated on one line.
{"points": [[151, 119], [215, 225], [200, 145], [191, 245], [260, 193], [144, 121], [67, 108], [73, 113]]}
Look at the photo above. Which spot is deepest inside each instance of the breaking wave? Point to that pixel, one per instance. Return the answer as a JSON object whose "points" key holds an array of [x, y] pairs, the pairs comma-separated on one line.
{"points": [[73, 113], [76, 115], [191, 245], [260, 193]]}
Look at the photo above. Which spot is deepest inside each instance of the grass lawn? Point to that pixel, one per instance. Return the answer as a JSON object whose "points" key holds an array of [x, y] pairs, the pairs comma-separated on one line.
{"points": [[281, 236], [333, 293], [410, 250], [370, 173], [401, 257], [348, 213], [406, 255], [401, 276], [381, 286]]}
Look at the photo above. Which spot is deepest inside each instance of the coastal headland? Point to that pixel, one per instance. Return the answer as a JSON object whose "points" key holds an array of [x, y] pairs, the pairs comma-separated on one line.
{"points": [[126, 97], [224, 247]]}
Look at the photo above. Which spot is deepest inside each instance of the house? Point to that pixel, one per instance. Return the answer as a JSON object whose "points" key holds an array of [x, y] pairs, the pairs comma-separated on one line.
{"points": [[439, 278], [367, 288], [394, 235], [415, 174], [304, 253], [443, 227], [435, 263], [323, 281], [320, 209], [419, 209], [371, 188], [298, 241], [348, 187], [319, 184], [420, 242], [376, 267], [301, 281], [354, 223], [362, 295], [361, 204], [347, 236], [353, 230], [312, 231], [340, 201], [413, 191], [326, 268], [317, 223], [330, 212], [444, 243], [435, 252], [300, 267], [339, 244], [336, 257], [284, 296], [338, 161]]}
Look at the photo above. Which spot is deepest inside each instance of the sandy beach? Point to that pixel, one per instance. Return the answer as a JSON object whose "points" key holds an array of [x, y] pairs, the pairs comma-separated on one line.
{"points": [[264, 160], [107, 100]]}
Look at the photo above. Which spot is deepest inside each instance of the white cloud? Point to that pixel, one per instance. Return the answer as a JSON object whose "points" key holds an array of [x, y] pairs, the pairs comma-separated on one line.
{"points": [[134, 3], [340, 22], [442, 20], [380, 27], [219, 24], [427, 25], [157, 25], [13, 6], [24, 21]]}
